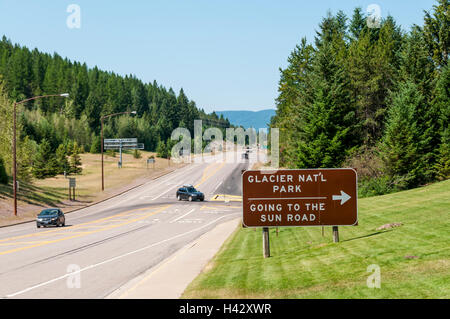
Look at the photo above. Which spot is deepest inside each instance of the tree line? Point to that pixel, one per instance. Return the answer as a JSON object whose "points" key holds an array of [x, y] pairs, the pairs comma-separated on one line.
{"points": [[48, 125], [376, 99]]}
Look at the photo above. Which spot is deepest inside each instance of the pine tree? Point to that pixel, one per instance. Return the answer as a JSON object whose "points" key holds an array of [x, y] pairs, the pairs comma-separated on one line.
{"points": [[3, 175], [161, 149], [415, 64], [61, 159], [137, 154], [418, 68], [75, 160], [25, 154], [80, 89], [92, 93], [96, 146], [357, 24], [327, 125], [93, 108], [45, 164], [371, 66], [442, 166], [400, 147], [294, 92], [169, 146], [70, 147], [436, 31], [139, 98], [50, 86], [441, 102]]}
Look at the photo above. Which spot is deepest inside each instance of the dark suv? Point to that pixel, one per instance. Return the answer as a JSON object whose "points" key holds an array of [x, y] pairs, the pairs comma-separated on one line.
{"points": [[51, 216], [190, 193]]}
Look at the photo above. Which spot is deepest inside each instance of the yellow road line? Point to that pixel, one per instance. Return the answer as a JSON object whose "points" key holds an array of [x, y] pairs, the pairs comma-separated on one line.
{"points": [[225, 197], [218, 207], [20, 243], [206, 176], [83, 234], [72, 227]]}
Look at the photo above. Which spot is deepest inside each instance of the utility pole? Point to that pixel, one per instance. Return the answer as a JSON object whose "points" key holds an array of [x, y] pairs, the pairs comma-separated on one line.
{"points": [[103, 173], [14, 161], [14, 143]]}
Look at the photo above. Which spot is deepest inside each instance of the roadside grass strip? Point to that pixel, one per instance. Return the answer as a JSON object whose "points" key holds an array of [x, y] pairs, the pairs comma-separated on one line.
{"points": [[413, 259]]}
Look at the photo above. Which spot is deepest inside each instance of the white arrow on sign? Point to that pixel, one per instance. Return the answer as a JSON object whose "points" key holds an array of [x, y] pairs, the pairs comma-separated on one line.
{"points": [[343, 197]]}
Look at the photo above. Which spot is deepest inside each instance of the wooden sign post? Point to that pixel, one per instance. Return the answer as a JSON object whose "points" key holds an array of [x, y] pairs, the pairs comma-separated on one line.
{"points": [[72, 186], [335, 234], [266, 242]]}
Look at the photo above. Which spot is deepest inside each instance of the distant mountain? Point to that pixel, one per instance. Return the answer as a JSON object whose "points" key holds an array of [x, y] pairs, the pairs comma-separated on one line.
{"points": [[259, 119]]}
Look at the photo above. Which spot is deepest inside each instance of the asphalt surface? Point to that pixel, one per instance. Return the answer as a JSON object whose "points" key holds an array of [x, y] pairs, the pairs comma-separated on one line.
{"points": [[105, 246]]}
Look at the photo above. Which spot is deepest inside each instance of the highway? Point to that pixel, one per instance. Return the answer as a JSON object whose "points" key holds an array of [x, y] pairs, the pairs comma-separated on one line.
{"points": [[112, 242]]}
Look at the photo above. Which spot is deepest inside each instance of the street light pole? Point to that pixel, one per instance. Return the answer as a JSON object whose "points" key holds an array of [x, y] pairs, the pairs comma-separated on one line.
{"points": [[103, 173], [14, 146], [14, 161], [101, 129]]}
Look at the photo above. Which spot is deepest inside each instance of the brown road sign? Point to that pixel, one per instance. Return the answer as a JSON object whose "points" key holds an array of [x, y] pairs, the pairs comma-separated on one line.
{"points": [[310, 197]]}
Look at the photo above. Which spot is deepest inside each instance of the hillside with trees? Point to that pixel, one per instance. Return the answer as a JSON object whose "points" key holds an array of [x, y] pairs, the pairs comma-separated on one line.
{"points": [[53, 131], [376, 99], [247, 119]]}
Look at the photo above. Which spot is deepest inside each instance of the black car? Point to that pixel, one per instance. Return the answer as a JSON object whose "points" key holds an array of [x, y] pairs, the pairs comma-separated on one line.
{"points": [[51, 217], [190, 193]]}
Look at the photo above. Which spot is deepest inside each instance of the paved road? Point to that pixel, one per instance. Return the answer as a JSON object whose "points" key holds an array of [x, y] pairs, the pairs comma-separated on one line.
{"points": [[105, 246]]}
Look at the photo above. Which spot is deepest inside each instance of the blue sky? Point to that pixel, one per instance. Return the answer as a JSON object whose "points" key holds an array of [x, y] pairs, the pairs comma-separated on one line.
{"points": [[225, 54]]}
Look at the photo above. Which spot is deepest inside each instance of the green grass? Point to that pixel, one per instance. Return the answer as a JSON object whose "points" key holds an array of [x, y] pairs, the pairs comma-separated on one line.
{"points": [[34, 195], [306, 265]]}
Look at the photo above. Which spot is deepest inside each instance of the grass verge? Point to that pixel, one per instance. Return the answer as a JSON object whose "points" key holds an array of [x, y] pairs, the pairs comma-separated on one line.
{"points": [[414, 259]]}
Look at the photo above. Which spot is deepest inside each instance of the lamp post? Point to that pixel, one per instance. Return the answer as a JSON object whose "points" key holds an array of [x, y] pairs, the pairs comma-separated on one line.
{"points": [[101, 125], [14, 141]]}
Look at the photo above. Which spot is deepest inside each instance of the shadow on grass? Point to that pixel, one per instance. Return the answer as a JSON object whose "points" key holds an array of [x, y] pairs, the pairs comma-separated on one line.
{"points": [[34, 195], [366, 236]]}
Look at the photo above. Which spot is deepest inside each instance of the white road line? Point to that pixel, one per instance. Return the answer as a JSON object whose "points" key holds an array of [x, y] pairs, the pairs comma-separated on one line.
{"points": [[218, 186], [167, 178], [172, 187], [178, 218], [131, 194], [165, 192], [114, 258]]}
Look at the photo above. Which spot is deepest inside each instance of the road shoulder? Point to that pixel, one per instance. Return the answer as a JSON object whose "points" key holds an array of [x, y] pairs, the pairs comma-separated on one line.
{"points": [[169, 279]]}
